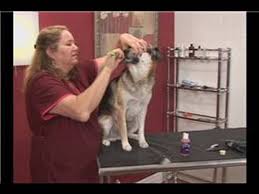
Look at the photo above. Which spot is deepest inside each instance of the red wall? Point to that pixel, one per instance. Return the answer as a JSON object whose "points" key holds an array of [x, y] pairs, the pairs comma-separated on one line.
{"points": [[81, 24], [21, 130]]}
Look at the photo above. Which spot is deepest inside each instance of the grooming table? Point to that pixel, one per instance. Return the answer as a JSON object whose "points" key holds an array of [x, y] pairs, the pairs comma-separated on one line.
{"points": [[163, 153]]}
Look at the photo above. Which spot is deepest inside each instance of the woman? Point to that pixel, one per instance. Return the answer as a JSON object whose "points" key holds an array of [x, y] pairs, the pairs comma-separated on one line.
{"points": [[62, 96]]}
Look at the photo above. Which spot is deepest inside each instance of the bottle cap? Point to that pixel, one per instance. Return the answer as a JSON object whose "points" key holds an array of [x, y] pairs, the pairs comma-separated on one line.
{"points": [[185, 135], [222, 152]]}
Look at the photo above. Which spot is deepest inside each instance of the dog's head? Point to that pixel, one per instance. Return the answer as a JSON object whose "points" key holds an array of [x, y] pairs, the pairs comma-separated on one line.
{"points": [[133, 58]]}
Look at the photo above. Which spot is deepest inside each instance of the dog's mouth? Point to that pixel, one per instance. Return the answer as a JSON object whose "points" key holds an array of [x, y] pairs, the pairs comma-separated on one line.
{"points": [[130, 57]]}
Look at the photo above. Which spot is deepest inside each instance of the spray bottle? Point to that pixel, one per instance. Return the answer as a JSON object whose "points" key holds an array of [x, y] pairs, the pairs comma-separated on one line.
{"points": [[185, 145]]}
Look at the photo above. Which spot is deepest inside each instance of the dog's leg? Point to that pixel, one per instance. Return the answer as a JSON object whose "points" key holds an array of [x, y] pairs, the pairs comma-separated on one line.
{"points": [[141, 119], [122, 128], [106, 124], [132, 128], [132, 125]]}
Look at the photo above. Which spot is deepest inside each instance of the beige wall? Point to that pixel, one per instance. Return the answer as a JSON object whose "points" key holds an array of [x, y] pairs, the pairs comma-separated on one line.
{"points": [[213, 30]]}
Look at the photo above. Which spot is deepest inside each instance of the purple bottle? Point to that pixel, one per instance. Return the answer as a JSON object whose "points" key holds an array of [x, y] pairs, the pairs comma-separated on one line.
{"points": [[185, 145]]}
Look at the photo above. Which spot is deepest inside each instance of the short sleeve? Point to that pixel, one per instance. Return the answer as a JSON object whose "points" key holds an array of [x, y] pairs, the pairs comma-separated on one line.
{"points": [[88, 71], [118, 71], [45, 93]]}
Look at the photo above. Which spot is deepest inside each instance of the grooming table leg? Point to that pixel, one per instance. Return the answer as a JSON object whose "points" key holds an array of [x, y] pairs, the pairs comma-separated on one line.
{"points": [[224, 174], [101, 179], [215, 175]]}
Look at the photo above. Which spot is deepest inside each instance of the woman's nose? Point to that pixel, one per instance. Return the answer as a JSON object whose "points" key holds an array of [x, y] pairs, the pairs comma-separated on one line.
{"points": [[76, 47]]}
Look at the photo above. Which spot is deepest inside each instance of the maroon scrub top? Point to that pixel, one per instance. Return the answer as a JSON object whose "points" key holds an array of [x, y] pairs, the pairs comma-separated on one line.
{"points": [[62, 149]]}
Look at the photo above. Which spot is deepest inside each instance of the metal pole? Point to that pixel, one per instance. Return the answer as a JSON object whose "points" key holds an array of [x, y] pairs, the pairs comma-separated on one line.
{"points": [[224, 175], [101, 179], [168, 89], [215, 175], [227, 85], [176, 72], [108, 179], [218, 86]]}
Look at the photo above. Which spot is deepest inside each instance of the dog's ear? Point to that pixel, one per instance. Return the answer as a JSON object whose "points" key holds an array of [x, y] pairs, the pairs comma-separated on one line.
{"points": [[155, 53]]}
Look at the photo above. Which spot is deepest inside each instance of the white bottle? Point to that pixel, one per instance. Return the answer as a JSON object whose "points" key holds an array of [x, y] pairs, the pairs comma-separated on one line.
{"points": [[204, 53], [186, 51], [182, 52], [199, 52]]}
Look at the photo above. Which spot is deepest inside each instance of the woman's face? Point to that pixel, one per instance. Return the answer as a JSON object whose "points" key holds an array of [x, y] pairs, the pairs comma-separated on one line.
{"points": [[66, 55]]}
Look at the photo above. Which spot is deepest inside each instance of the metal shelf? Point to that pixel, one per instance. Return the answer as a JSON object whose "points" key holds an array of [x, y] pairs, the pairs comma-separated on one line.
{"points": [[175, 55], [198, 117], [204, 49], [198, 88], [199, 58]]}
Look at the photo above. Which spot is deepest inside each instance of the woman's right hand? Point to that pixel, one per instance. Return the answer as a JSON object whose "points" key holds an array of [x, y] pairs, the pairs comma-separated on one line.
{"points": [[113, 58]]}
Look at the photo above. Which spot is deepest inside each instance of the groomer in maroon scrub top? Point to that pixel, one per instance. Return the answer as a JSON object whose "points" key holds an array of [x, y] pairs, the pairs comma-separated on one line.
{"points": [[62, 97]]}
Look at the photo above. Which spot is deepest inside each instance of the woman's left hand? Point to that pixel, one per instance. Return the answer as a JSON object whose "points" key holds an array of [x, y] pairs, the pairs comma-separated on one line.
{"points": [[128, 40]]}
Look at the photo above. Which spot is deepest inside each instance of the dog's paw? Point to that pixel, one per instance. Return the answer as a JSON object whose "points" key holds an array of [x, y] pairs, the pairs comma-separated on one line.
{"points": [[127, 147], [143, 144], [106, 142]]}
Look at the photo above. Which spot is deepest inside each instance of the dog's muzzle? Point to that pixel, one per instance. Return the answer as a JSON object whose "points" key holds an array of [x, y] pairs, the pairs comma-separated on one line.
{"points": [[130, 56], [133, 58]]}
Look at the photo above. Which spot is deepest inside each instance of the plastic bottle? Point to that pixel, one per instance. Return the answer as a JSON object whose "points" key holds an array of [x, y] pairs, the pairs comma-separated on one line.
{"points": [[199, 52], [186, 51], [191, 50], [185, 145], [204, 53], [182, 52], [176, 52]]}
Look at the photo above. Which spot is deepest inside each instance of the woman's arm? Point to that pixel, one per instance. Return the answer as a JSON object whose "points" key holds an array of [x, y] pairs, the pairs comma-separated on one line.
{"points": [[80, 107], [125, 40]]}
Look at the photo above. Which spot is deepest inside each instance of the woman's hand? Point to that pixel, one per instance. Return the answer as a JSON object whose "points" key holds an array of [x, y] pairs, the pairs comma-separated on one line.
{"points": [[138, 45], [113, 58]]}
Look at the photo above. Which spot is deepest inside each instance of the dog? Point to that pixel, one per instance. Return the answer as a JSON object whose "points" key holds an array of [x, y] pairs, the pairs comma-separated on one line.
{"points": [[122, 111]]}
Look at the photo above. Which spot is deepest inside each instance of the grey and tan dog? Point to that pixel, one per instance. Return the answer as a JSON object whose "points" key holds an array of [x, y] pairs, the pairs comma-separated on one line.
{"points": [[123, 109]]}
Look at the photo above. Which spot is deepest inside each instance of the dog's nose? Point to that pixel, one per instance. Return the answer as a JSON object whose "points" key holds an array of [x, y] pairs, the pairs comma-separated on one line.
{"points": [[132, 60]]}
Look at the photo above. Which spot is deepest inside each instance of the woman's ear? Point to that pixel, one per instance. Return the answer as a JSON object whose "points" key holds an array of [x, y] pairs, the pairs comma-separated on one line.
{"points": [[50, 53]]}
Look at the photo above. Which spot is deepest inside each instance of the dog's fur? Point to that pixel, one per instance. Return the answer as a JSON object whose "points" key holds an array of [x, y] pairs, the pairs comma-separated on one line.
{"points": [[124, 106]]}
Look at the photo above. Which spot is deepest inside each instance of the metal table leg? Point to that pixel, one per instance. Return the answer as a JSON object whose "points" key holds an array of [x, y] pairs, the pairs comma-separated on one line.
{"points": [[108, 178], [101, 179], [224, 175], [215, 175], [175, 178]]}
